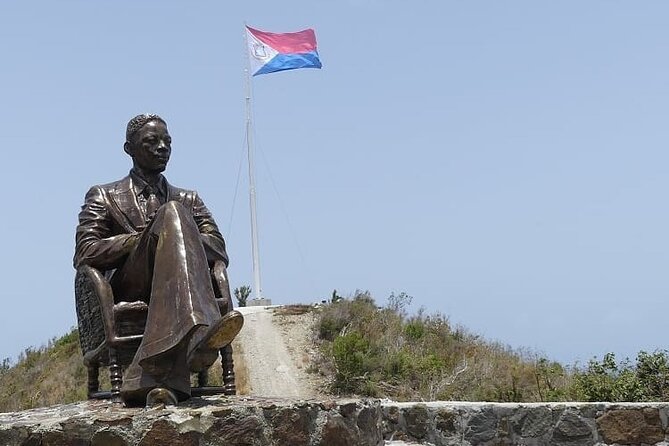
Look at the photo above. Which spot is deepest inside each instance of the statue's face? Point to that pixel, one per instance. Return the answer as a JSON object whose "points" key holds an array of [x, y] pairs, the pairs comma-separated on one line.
{"points": [[151, 147]]}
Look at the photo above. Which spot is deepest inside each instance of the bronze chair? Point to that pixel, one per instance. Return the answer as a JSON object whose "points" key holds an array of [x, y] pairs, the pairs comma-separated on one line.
{"points": [[110, 333]]}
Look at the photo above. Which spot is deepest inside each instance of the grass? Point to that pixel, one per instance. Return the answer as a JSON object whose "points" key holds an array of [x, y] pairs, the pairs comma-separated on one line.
{"points": [[51, 374]]}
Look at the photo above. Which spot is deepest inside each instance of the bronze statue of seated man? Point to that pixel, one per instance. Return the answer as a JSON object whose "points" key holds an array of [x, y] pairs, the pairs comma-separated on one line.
{"points": [[155, 243]]}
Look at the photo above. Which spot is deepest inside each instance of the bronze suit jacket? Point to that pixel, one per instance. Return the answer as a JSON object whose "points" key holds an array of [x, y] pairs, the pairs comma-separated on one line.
{"points": [[111, 213]]}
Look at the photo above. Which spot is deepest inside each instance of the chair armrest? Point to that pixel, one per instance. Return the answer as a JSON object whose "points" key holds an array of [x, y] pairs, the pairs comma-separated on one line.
{"points": [[219, 277]]}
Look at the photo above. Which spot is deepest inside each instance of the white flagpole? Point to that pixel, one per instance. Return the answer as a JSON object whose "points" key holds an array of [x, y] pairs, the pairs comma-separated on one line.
{"points": [[257, 290]]}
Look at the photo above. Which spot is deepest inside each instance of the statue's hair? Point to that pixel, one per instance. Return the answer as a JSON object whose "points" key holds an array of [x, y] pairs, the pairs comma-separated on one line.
{"points": [[140, 121]]}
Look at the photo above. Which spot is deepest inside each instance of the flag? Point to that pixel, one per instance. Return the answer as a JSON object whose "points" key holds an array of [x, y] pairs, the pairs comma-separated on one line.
{"points": [[270, 52]]}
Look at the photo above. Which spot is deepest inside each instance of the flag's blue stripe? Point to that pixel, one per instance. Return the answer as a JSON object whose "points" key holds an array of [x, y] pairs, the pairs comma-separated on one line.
{"points": [[282, 62]]}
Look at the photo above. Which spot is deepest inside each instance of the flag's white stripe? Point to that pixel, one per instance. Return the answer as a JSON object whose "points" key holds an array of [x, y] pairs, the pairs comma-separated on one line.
{"points": [[259, 53]]}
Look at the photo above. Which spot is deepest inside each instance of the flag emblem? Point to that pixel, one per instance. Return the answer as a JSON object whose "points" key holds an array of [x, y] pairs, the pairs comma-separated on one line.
{"points": [[271, 52], [259, 51]]}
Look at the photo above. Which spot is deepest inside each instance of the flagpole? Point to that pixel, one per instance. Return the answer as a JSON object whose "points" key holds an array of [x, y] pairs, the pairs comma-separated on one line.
{"points": [[257, 290]]}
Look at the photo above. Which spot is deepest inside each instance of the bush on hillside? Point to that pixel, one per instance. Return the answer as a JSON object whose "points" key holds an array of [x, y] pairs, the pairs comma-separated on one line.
{"points": [[383, 351], [608, 380]]}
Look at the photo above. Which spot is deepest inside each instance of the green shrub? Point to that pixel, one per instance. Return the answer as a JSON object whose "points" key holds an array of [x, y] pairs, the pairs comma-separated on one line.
{"points": [[398, 365], [414, 330], [550, 378], [652, 371], [350, 353], [608, 380]]}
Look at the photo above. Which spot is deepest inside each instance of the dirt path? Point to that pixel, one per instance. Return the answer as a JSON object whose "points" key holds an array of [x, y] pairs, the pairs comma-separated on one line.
{"points": [[272, 353]]}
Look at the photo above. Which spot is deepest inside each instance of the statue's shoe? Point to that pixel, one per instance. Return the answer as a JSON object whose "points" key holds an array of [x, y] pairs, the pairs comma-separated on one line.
{"points": [[161, 396], [218, 335], [224, 330]]}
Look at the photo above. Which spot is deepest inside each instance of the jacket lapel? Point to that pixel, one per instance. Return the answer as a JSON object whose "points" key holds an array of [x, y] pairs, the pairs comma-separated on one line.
{"points": [[125, 200], [176, 194]]}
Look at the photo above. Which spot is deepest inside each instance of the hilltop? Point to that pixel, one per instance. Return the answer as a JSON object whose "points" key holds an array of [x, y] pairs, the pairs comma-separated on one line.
{"points": [[352, 347]]}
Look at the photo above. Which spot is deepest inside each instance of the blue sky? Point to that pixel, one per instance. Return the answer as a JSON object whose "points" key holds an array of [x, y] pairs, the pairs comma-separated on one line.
{"points": [[505, 163]]}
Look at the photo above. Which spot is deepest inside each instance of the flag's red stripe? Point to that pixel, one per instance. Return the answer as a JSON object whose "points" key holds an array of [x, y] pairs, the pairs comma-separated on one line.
{"points": [[299, 42]]}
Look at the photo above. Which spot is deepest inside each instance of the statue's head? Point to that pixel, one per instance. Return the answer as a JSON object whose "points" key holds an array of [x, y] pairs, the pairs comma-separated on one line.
{"points": [[148, 142]]}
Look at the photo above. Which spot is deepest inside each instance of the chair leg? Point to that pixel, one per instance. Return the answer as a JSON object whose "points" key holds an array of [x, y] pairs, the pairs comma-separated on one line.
{"points": [[203, 378], [228, 371], [115, 376], [93, 379]]}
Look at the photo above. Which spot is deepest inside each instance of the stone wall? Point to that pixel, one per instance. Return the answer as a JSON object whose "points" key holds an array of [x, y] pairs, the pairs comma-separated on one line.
{"points": [[218, 421], [253, 421], [560, 424]]}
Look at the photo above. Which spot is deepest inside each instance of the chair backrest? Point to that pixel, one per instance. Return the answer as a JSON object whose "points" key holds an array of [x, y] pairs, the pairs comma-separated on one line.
{"points": [[100, 320], [89, 313]]}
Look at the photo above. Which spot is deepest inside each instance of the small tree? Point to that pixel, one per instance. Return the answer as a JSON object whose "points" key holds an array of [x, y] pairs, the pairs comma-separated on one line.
{"points": [[242, 294], [335, 297]]}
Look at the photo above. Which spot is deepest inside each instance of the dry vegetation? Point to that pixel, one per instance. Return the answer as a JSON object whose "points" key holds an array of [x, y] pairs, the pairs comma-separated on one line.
{"points": [[51, 374], [385, 352], [380, 352]]}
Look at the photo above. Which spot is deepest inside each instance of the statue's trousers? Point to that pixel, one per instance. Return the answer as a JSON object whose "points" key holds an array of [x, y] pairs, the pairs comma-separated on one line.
{"points": [[169, 265]]}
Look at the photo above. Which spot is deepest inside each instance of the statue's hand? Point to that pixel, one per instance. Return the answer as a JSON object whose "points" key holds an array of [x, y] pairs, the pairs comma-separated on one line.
{"points": [[132, 240]]}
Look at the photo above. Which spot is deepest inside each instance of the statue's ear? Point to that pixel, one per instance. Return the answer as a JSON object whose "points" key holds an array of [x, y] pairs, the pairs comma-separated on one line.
{"points": [[127, 148]]}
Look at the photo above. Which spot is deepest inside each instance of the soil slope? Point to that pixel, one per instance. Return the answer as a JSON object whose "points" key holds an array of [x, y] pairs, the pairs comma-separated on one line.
{"points": [[272, 353]]}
